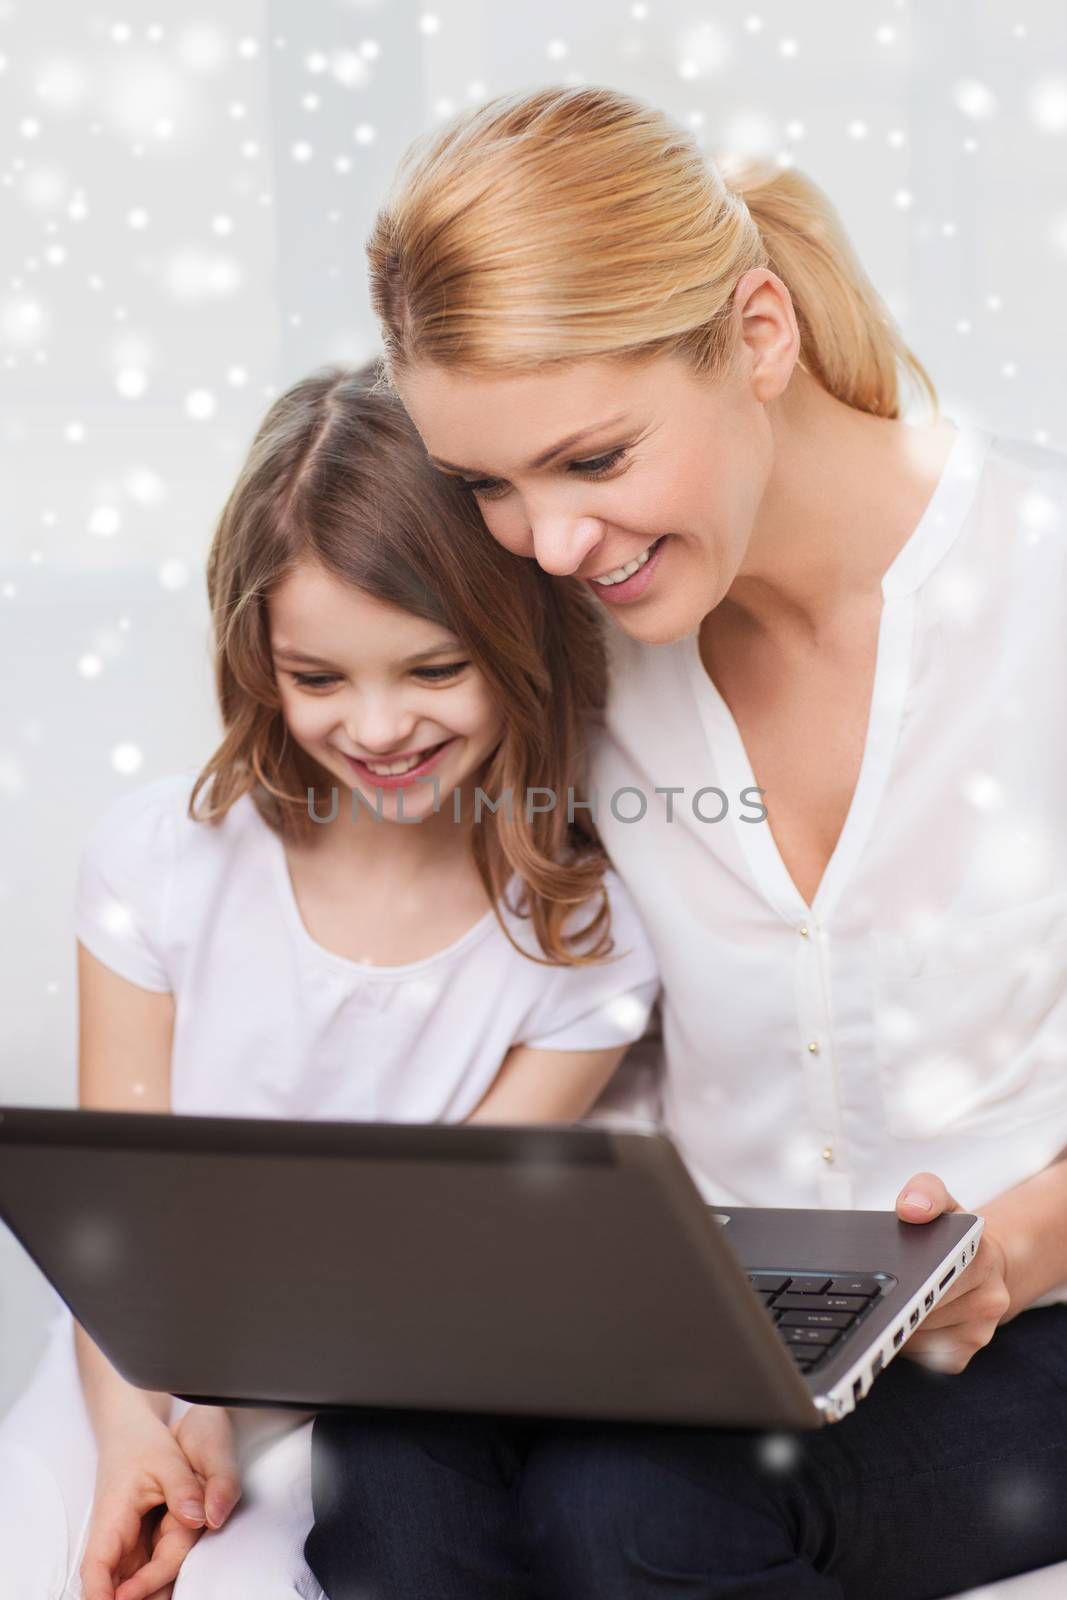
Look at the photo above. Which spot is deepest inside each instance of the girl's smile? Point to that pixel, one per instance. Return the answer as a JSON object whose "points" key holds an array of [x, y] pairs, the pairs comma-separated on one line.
{"points": [[402, 770]]}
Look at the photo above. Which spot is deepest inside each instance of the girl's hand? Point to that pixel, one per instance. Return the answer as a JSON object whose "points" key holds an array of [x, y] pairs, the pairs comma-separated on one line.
{"points": [[978, 1302], [133, 1551]]}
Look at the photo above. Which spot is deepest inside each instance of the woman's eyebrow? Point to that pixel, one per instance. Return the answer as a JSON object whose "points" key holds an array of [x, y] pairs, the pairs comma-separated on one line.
{"points": [[547, 455]]}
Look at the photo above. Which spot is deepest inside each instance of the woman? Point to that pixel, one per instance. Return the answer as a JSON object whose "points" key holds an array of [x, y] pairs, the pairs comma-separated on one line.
{"points": [[686, 394]]}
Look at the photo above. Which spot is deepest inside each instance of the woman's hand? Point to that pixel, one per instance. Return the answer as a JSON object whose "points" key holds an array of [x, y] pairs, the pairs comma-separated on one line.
{"points": [[157, 1487], [978, 1302]]}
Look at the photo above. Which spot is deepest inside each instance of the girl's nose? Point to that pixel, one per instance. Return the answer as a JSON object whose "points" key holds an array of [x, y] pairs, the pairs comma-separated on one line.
{"points": [[379, 728], [561, 544]]}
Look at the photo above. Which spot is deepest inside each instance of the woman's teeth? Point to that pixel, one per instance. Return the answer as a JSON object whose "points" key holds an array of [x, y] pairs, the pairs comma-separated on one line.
{"points": [[394, 768], [622, 573]]}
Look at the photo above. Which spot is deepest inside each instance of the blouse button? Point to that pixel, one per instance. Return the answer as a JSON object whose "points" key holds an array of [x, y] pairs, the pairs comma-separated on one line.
{"points": [[828, 1153], [803, 930], [813, 1046]]}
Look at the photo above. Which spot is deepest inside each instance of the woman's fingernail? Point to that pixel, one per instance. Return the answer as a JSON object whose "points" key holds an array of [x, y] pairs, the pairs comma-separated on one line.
{"points": [[217, 1514], [921, 1201], [192, 1509]]}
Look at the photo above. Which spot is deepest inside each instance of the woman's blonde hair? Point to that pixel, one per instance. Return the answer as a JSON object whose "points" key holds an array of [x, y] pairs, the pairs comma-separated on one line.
{"points": [[570, 222], [337, 476]]}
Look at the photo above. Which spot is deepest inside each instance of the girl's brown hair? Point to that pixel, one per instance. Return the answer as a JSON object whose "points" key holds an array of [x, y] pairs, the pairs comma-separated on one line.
{"points": [[337, 475], [579, 221]]}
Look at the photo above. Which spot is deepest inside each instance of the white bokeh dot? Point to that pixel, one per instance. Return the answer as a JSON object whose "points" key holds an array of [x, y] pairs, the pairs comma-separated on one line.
{"points": [[778, 1451], [1047, 104], [131, 382], [105, 521], [200, 404], [174, 574], [974, 99], [144, 486], [127, 758]]}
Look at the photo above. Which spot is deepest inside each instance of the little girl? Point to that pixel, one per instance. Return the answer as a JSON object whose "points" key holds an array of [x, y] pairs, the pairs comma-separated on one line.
{"points": [[381, 899]]}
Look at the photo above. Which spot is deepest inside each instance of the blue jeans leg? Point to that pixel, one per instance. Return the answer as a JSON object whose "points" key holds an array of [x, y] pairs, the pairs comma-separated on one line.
{"points": [[417, 1506], [936, 1484]]}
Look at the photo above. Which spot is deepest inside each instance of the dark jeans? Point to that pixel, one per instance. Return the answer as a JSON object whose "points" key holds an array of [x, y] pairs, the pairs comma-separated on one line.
{"points": [[935, 1484]]}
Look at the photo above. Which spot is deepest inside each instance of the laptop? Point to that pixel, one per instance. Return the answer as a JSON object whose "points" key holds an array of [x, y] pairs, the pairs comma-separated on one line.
{"points": [[555, 1271]]}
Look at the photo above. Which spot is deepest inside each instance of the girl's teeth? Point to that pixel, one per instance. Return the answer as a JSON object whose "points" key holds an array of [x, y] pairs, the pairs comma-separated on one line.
{"points": [[621, 573], [395, 768]]}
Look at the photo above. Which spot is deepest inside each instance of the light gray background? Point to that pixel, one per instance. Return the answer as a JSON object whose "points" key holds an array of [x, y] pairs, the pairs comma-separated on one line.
{"points": [[183, 205]]}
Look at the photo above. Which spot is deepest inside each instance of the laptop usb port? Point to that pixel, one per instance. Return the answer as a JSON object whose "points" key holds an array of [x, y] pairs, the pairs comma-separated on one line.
{"points": [[913, 1320], [928, 1300], [949, 1275], [898, 1338], [877, 1364], [857, 1389]]}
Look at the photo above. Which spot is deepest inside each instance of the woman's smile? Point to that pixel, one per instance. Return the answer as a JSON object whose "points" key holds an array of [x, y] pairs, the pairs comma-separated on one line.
{"points": [[628, 582]]}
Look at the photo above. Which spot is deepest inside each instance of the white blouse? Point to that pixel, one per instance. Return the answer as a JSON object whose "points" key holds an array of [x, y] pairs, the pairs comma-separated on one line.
{"points": [[914, 1017], [270, 1023]]}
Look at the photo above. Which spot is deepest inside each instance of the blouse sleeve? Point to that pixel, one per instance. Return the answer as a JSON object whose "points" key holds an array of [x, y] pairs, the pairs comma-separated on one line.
{"points": [[605, 1005], [123, 887]]}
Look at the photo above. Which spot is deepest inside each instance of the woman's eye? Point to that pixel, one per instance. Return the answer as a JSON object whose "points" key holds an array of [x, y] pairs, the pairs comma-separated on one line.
{"points": [[600, 464], [493, 488], [440, 674], [487, 488], [313, 680]]}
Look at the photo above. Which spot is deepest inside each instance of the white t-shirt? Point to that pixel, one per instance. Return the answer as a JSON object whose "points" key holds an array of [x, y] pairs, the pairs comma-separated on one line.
{"points": [[270, 1023], [915, 1016]]}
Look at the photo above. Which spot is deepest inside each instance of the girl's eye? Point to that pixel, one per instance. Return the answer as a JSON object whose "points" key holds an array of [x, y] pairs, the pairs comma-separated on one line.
{"points": [[493, 488], [440, 674], [313, 680]]}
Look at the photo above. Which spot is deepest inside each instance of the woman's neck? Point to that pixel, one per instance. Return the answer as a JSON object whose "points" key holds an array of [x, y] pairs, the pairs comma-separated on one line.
{"points": [[846, 491]]}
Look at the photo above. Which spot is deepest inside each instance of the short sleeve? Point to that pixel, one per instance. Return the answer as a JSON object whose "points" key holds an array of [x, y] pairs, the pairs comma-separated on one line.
{"points": [[602, 1006], [124, 883]]}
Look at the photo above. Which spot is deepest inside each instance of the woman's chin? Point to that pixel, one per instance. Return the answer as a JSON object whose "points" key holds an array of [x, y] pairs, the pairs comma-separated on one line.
{"points": [[665, 621]]}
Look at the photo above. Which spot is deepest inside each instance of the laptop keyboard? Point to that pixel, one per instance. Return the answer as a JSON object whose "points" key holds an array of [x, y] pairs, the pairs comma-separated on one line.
{"points": [[813, 1311]]}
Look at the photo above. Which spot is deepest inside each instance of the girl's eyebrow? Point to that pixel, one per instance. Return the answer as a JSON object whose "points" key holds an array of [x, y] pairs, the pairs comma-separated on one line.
{"points": [[282, 653], [547, 455]]}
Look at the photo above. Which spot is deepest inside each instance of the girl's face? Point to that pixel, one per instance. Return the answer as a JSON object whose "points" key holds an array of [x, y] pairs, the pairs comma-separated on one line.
{"points": [[366, 687], [595, 465]]}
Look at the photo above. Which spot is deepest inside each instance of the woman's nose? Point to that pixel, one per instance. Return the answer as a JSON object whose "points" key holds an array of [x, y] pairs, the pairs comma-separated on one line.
{"points": [[561, 544]]}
